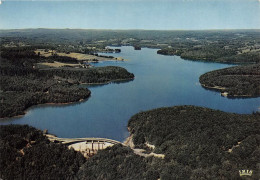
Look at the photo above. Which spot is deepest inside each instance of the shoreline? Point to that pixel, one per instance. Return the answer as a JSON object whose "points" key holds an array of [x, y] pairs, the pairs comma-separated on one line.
{"points": [[210, 60], [66, 103], [35, 105], [140, 151], [214, 87], [108, 82], [226, 94]]}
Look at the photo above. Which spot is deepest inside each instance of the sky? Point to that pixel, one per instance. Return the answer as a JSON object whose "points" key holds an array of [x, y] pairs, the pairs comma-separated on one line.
{"points": [[131, 14]]}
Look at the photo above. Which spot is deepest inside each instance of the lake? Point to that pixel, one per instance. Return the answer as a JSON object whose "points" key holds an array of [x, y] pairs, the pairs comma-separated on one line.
{"points": [[160, 81]]}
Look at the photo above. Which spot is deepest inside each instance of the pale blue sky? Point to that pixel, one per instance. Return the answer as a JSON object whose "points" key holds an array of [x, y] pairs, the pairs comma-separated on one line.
{"points": [[131, 14]]}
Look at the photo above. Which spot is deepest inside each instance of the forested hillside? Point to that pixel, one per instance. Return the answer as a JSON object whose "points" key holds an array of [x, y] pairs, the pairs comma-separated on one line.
{"points": [[199, 143], [116, 163], [239, 81], [215, 53], [27, 154]]}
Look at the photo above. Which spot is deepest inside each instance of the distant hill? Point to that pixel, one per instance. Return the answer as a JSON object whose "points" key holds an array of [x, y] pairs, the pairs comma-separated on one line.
{"points": [[211, 45]]}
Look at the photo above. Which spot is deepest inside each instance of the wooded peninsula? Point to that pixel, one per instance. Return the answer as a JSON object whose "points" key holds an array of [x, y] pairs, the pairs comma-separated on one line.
{"points": [[239, 81]]}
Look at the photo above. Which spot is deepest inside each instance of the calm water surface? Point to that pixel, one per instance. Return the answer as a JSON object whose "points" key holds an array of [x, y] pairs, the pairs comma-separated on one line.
{"points": [[159, 81]]}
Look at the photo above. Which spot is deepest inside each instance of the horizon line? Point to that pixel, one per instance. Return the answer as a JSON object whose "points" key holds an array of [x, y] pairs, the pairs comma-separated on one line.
{"points": [[132, 29]]}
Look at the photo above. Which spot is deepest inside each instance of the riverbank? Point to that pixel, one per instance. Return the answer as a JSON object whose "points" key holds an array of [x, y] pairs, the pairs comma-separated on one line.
{"points": [[224, 60], [108, 82], [226, 94]]}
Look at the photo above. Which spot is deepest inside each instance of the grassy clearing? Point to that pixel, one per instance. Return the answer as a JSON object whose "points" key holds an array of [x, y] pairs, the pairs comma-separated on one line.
{"points": [[57, 64], [78, 56]]}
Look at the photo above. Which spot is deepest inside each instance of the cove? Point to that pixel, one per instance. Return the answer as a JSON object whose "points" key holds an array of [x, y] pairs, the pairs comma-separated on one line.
{"points": [[160, 81]]}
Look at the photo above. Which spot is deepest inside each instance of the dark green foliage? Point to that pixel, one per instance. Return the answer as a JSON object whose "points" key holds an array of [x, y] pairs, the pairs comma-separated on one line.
{"points": [[27, 154], [117, 162], [91, 75], [212, 53], [18, 53], [237, 81], [136, 47], [63, 59], [196, 141], [16, 102], [19, 92]]}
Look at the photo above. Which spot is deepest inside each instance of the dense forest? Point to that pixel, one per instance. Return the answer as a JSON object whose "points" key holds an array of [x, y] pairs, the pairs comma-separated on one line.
{"points": [[24, 85], [27, 154], [236, 81], [221, 46], [181, 133], [215, 53], [117, 162]]}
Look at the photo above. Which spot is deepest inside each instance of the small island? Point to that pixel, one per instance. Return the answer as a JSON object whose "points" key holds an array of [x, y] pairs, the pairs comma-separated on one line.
{"points": [[136, 47], [238, 81]]}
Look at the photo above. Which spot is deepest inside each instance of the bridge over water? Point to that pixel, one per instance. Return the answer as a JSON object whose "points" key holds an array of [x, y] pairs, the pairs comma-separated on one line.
{"points": [[87, 146]]}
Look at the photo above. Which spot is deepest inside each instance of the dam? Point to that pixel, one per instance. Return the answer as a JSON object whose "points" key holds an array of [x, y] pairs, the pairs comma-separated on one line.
{"points": [[87, 146]]}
